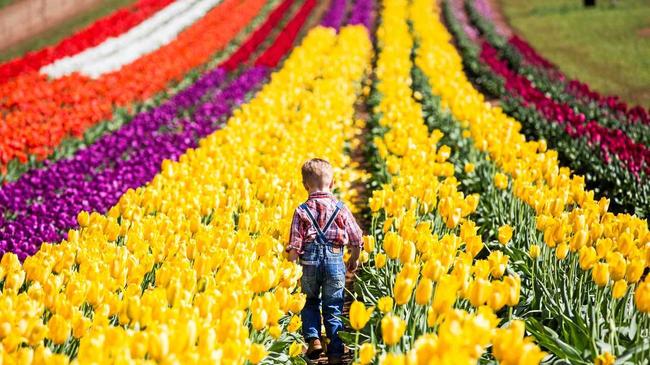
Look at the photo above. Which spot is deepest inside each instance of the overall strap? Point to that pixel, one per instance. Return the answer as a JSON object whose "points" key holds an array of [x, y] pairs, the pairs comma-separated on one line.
{"points": [[320, 233]]}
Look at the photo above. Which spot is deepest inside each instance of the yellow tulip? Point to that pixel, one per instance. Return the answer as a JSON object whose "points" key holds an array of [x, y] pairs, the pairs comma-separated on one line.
{"points": [[392, 359], [424, 291], [402, 290], [469, 168], [294, 324], [369, 243], [385, 304], [505, 234], [634, 271], [561, 251], [392, 329], [605, 358], [587, 258], [83, 218], [500, 181], [366, 353], [275, 331], [380, 260], [479, 292], [642, 297], [58, 329], [257, 353], [534, 251], [295, 349], [600, 274], [392, 245], [359, 315], [619, 289]]}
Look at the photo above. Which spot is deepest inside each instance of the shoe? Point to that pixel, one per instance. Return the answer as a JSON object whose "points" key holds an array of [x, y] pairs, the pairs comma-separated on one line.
{"points": [[334, 360], [314, 349]]}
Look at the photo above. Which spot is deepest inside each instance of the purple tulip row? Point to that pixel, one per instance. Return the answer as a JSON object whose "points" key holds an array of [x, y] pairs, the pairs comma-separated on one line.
{"points": [[363, 13], [43, 204], [335, 14]]}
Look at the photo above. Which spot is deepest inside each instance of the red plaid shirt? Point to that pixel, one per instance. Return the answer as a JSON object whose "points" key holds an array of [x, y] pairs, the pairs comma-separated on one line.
{"points": [[344, 229]]}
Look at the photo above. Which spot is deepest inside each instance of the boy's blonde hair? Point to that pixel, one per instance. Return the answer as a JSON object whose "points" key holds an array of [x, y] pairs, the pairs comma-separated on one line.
{"points": [[317, 173]]}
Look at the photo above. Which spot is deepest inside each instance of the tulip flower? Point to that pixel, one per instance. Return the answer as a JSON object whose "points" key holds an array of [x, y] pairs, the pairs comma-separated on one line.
{"points": [[359, 315], [392, 328], [257, 353], [402, 290], [295, 349], [504, 234], [500, 181], [380, 260], [385, 304], [423, 291], [600, 274], [534, 251], [642, 297], [605, 358], [619, 289], [366, 353], [58, 329]]}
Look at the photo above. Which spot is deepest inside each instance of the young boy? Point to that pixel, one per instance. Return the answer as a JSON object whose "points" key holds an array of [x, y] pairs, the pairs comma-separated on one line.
{"points": [[320, 230]]}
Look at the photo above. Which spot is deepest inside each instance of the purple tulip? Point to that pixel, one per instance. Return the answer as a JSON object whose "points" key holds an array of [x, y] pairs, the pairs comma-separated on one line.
{"points": [[363, 13], [335, 14]]}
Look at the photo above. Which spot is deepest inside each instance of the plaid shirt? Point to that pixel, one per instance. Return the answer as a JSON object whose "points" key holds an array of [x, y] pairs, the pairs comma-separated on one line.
{"points": [[344, 229]]}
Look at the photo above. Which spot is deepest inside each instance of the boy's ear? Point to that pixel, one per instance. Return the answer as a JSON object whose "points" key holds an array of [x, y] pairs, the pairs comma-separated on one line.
{"points": [[304, 184], [332, 184]]}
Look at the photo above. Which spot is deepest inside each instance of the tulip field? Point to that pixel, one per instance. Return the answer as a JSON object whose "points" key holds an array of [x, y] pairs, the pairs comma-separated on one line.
{"points": [[150, 166]]}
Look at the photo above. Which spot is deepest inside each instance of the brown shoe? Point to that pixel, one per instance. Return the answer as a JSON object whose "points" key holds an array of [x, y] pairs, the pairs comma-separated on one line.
{"points": [[334, 360], [314, 349]]}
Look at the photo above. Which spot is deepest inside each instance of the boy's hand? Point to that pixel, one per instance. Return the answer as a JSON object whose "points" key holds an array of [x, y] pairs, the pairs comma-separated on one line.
{"points": [[353, 261], [293, 255], [352, 265]]}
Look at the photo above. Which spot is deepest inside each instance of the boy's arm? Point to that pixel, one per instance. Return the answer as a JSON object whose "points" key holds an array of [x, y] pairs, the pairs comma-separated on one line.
{"points": [[355, 234], [295, 238]]}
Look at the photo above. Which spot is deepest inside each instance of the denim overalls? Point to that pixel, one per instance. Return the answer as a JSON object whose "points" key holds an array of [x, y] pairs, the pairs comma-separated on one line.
{"points": [[323, 269]]}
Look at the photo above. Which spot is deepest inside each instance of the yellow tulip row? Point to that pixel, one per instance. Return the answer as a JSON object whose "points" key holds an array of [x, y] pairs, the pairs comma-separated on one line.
{"points": [[191, 268], [432, 278], [615, 246]]}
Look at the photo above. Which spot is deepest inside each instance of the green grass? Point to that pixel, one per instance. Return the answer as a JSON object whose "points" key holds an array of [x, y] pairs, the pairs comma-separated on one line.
{"points": [[58, 32], [601, 46], [4, 3]]}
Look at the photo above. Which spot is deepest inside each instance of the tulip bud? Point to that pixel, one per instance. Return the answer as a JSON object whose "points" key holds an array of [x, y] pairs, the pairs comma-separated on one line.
{"points": [[359, 315], [369, 243], [402, 290], [58, 329], [562, 251], [380, 260], [366, 353], [600, 274], [392, 329], [642, 297], [385, 304], [392, 245], [620, 288], [505, 234], [534, 251], [257, 353], [424, 291], [469, 168], [295, 349], [500, 181]]}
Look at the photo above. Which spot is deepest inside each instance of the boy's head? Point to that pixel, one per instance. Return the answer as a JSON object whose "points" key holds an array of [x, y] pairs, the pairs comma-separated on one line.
{"points": [[317, 175]]}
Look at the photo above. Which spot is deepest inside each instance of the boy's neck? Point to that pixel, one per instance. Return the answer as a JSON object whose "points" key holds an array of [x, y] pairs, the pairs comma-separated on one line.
{"points": [[319, 191]]}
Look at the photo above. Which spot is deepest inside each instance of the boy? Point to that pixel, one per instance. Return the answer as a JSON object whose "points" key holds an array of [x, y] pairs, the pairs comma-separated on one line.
{"points": [[320, 229]]}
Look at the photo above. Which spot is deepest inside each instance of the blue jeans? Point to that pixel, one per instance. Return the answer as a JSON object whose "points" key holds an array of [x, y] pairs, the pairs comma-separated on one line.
{"points": [[323, 271]]}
